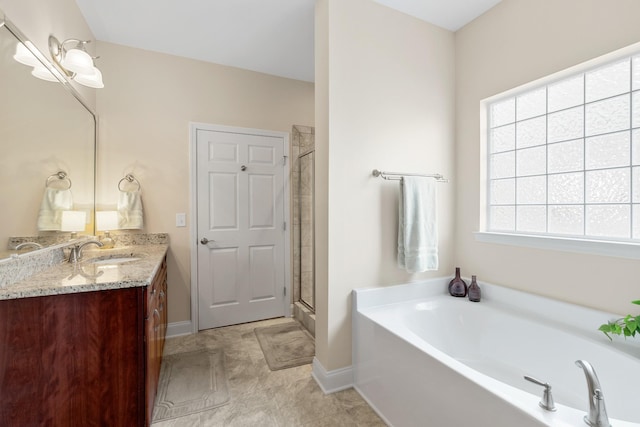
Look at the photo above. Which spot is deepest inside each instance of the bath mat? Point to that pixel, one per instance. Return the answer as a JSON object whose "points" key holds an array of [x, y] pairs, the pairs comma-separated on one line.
{"points": [[191, 382], [285, 346]]}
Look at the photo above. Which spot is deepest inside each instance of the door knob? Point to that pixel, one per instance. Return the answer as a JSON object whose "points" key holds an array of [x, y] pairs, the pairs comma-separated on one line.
{"points": [[204, 241], [243, 168]]}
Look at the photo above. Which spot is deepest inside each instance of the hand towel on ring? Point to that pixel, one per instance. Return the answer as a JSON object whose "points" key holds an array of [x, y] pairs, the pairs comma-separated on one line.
{"points": [[130, 210]]}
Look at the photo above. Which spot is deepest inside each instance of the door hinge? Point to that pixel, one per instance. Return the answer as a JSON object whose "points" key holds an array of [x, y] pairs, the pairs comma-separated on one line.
{"points": [[284, 160], [284, 226], [284, 291]]}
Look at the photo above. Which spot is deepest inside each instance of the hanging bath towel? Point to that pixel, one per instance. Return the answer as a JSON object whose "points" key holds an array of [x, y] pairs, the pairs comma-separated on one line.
{"points": [[54, 201], [417, 225], [130, 210]]}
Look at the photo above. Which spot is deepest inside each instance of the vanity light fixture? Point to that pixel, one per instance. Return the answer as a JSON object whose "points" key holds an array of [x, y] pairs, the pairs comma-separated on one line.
{"points": [[74, 61], [26, 56], [43, 73]]}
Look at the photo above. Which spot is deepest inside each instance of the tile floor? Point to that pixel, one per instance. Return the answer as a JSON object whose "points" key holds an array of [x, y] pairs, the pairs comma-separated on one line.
{"points": [[264, 398]]}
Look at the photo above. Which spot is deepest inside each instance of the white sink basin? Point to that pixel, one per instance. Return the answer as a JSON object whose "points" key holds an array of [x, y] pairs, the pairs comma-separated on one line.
{"points": [[109, 261], [117, 258]]}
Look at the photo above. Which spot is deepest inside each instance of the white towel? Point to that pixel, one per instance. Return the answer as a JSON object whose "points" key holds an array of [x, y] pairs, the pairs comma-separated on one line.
{"points": [[54, 201], [417, 225], [130, 210]]}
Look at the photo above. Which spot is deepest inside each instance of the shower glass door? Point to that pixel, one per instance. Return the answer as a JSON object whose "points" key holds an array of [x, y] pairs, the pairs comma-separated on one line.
{"points": [[307, 224]]}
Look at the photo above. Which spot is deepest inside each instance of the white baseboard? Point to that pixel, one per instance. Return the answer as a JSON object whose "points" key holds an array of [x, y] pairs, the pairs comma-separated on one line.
{"points": [[177, 329], [332, 381]]}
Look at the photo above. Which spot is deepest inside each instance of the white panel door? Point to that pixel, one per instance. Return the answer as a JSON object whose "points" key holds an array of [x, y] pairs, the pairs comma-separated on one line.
{"points": [[241, 248]]}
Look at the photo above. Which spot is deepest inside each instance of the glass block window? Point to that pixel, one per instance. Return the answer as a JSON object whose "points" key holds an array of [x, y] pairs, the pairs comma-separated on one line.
{"points": [[564, 159]]}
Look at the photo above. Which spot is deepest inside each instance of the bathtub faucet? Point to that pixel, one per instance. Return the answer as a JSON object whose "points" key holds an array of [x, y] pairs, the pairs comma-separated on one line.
{"points": [[597, 416]]}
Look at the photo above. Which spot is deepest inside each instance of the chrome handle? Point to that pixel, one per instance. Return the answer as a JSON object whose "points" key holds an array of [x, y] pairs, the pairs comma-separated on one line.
{"points": [[243, 168], [547, 398], [204, 241], [536, 381]]}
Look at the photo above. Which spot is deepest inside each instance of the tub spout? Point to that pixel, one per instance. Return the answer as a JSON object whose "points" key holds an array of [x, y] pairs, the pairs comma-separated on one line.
{"points": [[597, 416]]}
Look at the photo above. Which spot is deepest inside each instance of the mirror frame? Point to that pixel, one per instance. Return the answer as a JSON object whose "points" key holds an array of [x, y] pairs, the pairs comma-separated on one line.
{"points": [[66, 83]]}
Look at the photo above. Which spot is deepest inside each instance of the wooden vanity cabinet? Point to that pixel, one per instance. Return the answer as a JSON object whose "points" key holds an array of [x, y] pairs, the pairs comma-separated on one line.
{"points": [[82, 359]]}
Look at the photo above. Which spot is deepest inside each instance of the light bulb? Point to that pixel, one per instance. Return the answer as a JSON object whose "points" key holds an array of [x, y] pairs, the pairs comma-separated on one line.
{"points": [[24, 56], [78, 61], [93, 79], [43, 73]]}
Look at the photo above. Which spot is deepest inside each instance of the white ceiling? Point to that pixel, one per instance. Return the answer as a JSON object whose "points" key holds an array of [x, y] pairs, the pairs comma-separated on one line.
{"points": [[269, 36]]}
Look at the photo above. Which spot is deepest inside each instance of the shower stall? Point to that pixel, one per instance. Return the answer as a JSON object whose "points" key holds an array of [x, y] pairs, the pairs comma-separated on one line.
{"points": [[303, 145]]}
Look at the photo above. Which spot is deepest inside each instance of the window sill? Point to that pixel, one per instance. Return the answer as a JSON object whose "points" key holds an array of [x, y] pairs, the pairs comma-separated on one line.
{"points": [[627, 250]]}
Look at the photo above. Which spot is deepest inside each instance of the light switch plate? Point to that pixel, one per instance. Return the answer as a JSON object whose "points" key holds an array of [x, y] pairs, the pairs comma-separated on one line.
{"points": [[181, 220]]}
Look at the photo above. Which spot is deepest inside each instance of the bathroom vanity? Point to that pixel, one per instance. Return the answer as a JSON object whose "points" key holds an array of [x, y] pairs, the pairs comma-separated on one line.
{"points": [[81, 344]]}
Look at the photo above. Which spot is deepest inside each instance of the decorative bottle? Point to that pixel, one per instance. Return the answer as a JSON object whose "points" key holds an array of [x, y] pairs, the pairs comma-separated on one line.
{"points": [[474, 290], [457, 286], [107, 241]]}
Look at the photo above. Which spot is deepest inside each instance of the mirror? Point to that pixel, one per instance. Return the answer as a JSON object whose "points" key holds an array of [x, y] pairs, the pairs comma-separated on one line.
{"points": [[45, 128]]}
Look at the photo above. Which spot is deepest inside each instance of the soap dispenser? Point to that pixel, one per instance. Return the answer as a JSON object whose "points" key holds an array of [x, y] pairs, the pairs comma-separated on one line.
{"points": [[457, 286], [474, 290]]}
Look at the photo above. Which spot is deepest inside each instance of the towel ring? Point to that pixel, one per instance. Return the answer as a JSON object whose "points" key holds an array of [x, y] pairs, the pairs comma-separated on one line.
{"points": [[61, 175], [130, 178]]}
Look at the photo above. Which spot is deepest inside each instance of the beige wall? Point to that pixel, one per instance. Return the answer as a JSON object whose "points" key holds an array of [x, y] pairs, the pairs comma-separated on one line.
{"points": [[516, 42], [385, 92], [145, 109], [321, 190], [38, 19]]}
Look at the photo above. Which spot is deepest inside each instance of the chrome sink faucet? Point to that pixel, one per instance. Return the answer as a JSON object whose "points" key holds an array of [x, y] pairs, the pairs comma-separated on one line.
{"points": [[76, 252], [597, 416]]}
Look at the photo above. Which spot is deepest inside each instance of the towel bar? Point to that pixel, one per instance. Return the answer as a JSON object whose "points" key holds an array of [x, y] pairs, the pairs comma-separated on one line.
{"points": [[397, 176]]}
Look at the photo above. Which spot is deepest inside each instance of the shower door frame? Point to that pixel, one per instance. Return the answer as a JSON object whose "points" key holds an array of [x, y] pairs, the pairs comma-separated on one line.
{"points": [[313, 235]]}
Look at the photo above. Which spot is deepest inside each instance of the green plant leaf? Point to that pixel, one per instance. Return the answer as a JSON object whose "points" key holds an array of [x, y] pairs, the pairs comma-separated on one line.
{"points": [[606, 329], [636, 302], [631, 324], [616, 329]]}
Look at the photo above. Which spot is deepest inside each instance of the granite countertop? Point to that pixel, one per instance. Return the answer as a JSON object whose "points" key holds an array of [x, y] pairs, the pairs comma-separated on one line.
{"points": [[89, 275]]}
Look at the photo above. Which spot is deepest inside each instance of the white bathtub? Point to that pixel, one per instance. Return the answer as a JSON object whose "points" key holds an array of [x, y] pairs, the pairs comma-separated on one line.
{"points": [[424, 358]]}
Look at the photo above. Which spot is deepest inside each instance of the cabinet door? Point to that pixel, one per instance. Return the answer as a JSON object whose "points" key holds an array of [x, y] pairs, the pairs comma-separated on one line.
{"points": [[152, 359], [155, 329], [72, 359]]}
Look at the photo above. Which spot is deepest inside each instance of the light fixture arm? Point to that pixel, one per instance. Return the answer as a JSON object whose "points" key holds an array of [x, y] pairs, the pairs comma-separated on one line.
{"points": [[58, 50], [81, 68]]}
